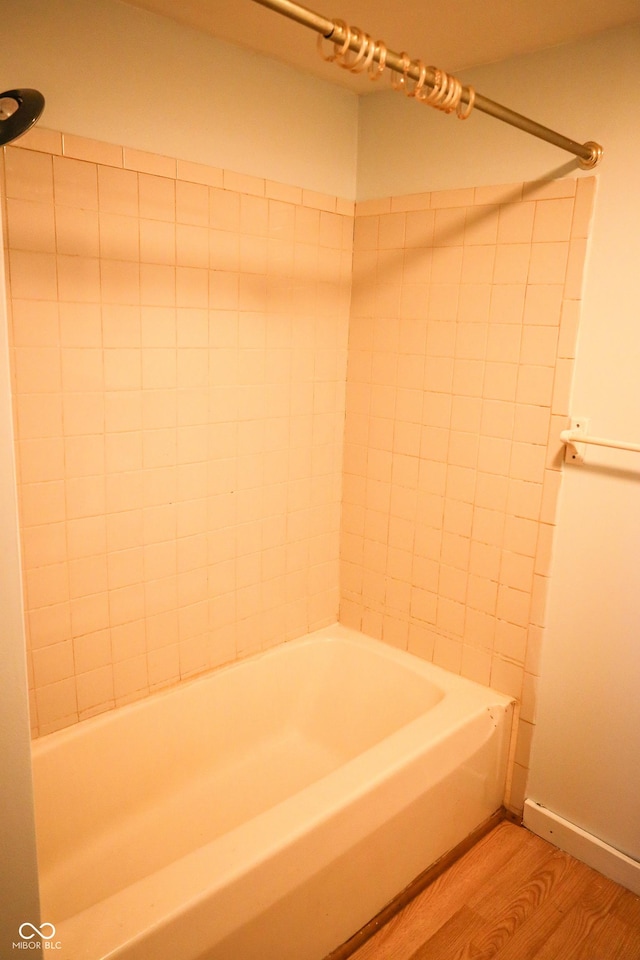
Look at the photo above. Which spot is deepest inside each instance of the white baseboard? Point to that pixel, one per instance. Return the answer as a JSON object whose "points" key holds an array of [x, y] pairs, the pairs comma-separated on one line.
{"points": [[582, 845]]}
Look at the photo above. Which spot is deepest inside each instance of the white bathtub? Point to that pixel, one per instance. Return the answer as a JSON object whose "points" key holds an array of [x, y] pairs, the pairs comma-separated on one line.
{"points": [[266, 811]]}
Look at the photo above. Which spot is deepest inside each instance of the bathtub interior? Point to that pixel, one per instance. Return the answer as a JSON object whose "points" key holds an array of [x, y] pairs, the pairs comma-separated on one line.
{"points": [[196, 762]]}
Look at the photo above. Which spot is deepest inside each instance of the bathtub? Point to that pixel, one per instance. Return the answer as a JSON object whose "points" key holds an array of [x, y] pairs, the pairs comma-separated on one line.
{"points": [[267, 810]]}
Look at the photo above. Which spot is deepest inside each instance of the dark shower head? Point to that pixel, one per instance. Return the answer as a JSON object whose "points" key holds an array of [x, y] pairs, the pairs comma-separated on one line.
{"points": [[19, 110]]}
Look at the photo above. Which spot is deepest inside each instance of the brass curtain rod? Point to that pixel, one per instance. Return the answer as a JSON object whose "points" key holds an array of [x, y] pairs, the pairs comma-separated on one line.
{"points": [[589, 154]]}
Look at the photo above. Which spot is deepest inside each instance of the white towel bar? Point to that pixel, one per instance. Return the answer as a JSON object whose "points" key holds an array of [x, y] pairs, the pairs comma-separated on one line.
{"points": [[577, 435], [574, 436]]}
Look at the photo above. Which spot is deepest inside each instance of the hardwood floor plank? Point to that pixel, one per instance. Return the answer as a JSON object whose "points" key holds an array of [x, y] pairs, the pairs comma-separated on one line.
{"points": [[531, 859], [421, 918], [513, 896], [452, 939], [573, 936], [627, 909], [612, 940], [506, 912], [534, 932]]}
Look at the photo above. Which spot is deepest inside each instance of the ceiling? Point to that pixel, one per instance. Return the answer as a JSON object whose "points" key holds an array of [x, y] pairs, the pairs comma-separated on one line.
{"points": [[455, 35]]}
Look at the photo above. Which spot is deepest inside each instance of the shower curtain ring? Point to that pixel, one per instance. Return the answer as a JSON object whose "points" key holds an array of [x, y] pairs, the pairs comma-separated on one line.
{"points": [[337, 25], [435, 93], [360, 67], [464, 112], [353, 65], [377, 69], [400, 84], [419, 82], [450, 100]]}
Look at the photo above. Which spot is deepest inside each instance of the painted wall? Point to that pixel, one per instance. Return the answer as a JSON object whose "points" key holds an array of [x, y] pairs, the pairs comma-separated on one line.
{"points": [[404, 147], [18, 876], [588, 721], [115, 73]]}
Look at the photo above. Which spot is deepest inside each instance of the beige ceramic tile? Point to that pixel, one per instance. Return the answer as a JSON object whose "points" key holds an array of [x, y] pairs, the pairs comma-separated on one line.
{"points": [[283, 192], [164, 345], [47, 585], [75, 183], [95, 691], [117, 191], [28, 175], [31, 226], [411, 201], [130, 679], [41, 139], [192, 203], [145, 162], [34, 324], [53, 663], [56, 702], [481, 225], [78, 278], [584, 205], [499, 193], [89, 614], [452, 198], [157, 198], [96, 151], [33, 276], [77, 231], [516, 222], [553, 220], [575, 269], [243, 184], [43, 545], [549, 189], [119, 237], [512, 263], [548, 262], [319, 201]]}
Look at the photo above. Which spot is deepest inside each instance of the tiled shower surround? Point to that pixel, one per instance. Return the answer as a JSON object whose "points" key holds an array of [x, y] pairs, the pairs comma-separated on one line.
{"points": [[463, 327], [179, 350], [179, 339]]}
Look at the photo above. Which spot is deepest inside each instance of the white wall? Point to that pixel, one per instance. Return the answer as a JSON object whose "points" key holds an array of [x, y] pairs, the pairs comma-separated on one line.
{"points": [[406, 147], [116, 73], [18, 869], [587, 739]]}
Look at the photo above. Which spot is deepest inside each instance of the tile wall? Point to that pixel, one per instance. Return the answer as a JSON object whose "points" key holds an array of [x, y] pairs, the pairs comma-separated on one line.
{"points": [[463, 329], [179, 357], [178, 346]]}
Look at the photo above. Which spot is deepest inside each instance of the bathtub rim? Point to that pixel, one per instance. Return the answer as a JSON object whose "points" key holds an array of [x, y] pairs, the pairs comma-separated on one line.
{"points": [[331, 633]]}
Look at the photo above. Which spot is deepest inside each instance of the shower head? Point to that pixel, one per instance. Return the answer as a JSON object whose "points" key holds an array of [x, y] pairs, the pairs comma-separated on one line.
{"points": [[19, 110]]}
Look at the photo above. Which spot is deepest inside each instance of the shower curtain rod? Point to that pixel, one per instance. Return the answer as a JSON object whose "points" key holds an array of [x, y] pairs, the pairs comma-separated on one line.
{"points": [[589, 154]]}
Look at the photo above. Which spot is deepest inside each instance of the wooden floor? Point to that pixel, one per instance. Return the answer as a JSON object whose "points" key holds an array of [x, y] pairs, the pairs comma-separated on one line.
{"points": [[513, 896]]}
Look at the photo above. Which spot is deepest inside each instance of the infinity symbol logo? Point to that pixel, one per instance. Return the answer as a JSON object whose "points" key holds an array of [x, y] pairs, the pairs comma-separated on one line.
{"points": [[36, 931]]}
